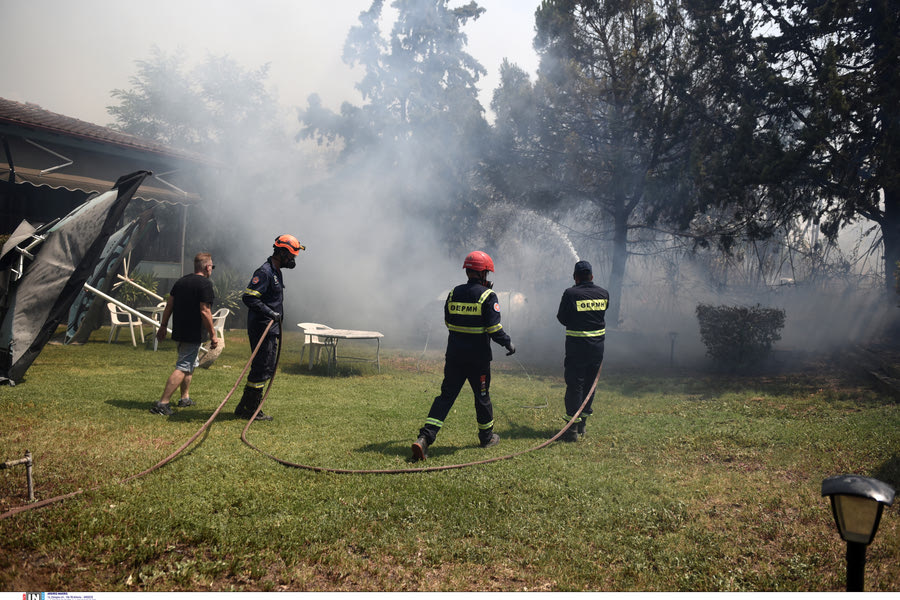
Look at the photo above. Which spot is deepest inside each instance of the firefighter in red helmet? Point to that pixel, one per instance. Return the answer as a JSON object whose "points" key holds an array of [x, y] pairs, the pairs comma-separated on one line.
{"points": [[264, 297], [472, 315]]}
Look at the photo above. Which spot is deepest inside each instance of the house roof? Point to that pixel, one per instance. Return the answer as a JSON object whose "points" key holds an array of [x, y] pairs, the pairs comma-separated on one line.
{"points": [[32, 117], [35, 141]]}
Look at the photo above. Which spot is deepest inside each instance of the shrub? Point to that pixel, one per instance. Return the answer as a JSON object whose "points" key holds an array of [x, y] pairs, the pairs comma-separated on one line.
{"points": [[737, 336], [229, 287]]}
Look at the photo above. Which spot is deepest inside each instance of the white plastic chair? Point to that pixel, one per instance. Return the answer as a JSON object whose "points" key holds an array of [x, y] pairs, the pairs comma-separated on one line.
{"points": [[157, 316], [120, 317], [311, 341], [219, 321]]}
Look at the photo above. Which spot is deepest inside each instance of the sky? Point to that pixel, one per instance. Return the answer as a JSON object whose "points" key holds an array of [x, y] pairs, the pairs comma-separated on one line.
{"points": [[68, 56]]}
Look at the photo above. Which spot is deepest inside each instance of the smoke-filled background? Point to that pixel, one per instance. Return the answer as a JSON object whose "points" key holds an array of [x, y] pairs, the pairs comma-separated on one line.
{"points": [[388, 221]]}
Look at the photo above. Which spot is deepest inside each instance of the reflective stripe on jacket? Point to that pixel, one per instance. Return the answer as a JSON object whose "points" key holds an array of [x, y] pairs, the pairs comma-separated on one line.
{"points": [[472, 316], [582, 310], [264, 293]]}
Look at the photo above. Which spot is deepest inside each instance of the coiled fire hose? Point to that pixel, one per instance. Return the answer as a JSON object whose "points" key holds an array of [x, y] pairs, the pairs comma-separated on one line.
{"points": [[205, 426]]}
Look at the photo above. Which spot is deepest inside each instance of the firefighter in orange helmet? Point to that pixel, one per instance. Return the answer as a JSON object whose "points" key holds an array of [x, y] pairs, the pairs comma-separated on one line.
{"points": [[264, 297], [472, 315]]}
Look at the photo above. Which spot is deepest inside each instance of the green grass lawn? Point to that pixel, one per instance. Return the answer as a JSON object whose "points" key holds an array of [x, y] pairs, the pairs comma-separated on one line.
{"points": [[685, 481]]}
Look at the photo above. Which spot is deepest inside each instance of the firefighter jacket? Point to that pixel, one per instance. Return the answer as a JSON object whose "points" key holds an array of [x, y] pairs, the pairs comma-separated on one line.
{"points": [[264, 297], [472, 315], [582, 311]]}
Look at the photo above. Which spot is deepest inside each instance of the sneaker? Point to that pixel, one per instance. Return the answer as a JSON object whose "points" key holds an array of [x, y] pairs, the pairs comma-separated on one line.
{"points": [[420, 449], [161, 409], [261, 416], [492, 441], [185, 402]]}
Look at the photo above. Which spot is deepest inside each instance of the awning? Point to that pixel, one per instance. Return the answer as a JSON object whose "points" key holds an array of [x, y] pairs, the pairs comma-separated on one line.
{"points": [[153, 188]]}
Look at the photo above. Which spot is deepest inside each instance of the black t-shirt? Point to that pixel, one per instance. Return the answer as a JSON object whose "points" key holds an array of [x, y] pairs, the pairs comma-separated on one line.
{"points": [[188, 293]]}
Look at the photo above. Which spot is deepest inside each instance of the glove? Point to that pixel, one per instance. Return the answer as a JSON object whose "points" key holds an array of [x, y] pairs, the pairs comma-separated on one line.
{"points": [[275, 316], [511, 348]]}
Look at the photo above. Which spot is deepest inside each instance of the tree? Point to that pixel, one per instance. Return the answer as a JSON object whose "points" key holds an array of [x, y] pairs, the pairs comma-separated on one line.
{"points": [[608, 127], [420, 113], [221, 111], [820, 80], [203, 109]]}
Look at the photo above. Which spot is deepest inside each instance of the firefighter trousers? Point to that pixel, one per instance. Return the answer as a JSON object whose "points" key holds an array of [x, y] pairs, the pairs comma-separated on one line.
{"points": [[580, 372], [478, 374], [263, 366]]}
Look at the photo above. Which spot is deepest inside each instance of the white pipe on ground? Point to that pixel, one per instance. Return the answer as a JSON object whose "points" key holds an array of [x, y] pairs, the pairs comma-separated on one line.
{"points": [[136, 313], [140, 287]]}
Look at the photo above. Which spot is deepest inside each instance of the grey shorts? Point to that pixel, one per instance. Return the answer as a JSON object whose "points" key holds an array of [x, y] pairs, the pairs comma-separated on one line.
{"points": [[187, 357]]}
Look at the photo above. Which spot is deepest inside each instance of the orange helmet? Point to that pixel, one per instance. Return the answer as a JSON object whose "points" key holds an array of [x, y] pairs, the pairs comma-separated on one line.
{"points": [[478, 261], [289, 243]]}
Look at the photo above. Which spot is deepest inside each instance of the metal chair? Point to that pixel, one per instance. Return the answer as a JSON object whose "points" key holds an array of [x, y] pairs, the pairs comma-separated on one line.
{"points": [[119, 317], [311, 341]]}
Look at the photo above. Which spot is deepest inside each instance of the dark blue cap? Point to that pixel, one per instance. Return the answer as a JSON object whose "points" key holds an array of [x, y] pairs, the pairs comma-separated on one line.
{"points": [[583, 267]]}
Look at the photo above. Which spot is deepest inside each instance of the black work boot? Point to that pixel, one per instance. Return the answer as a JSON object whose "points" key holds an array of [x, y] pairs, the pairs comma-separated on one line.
{"points": [[260, 416], [570, 434], [420, 448], [491, 440], [579, 426], [243, 406], [249, 401]]}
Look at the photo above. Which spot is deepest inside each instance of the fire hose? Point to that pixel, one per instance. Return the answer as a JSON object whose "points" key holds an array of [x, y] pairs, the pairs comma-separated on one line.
{"points": [[288, 463], [205, 426]]}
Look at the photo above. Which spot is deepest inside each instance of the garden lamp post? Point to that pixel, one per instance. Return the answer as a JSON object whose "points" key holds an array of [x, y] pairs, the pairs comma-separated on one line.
{"points": [[857, 503]]}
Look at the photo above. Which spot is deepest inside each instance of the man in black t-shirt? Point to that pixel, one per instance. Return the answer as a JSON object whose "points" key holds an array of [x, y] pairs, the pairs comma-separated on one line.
{"points": [[190, 307]]}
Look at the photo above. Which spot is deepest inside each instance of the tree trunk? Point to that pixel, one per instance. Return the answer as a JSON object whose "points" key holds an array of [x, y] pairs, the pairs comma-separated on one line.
{"points": [[890, 230], [617, 271]]}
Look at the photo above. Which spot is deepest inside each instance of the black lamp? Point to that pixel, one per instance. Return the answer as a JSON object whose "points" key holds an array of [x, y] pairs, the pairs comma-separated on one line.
{"points": [[857, 503]]}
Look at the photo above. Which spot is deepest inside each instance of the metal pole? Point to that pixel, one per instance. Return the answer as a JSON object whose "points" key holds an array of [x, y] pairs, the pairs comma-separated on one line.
{"points": [[672, 336], [28, 480], [856, 566], [28, 462], [184, 219]]}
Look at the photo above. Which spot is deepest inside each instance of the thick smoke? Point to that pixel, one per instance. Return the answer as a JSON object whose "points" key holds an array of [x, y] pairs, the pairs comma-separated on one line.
{"points": [[372, 263]]}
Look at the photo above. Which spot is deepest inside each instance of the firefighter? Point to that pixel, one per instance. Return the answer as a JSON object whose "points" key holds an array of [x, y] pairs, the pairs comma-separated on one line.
{"points": [[472, 316], [582, 312], [264, 297]]}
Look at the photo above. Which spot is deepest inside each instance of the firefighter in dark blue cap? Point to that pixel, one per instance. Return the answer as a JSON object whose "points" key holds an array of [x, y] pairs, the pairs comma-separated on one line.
{"points": [[582, 312], [264, 297]]}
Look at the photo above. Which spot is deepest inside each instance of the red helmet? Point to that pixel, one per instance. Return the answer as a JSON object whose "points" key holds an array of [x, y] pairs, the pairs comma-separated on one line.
{"points": [[289, 243], [478, 261]]}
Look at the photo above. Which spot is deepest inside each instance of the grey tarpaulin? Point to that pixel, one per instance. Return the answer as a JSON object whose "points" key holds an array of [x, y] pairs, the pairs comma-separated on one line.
{"points": [[35, 304], [87, 311]]}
